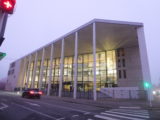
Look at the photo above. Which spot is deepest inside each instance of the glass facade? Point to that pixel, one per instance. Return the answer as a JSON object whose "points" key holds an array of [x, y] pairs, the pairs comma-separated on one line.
{"points": [[106, 74], [55, 76], [30, 73], [37, 74]]}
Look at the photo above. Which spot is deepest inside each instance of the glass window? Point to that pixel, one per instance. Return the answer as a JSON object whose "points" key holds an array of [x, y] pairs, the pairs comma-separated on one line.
{"points": [[90, 64], [85, 78], [119, 63], [122, 52], [118, 53], [85, 59], [90, 57], [31, 66], [124, 74], [103, 66], [65, 72], [102, 56], [70, 60], [119, 73], [123, 62], [79, 59]]}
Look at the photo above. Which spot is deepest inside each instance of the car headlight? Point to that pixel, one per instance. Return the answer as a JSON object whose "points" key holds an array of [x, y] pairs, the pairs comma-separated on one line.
{"points": [[154, 92]]}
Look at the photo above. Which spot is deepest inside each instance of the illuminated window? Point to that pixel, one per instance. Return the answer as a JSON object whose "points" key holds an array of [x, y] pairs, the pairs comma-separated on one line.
{"points": [[120, 52]]}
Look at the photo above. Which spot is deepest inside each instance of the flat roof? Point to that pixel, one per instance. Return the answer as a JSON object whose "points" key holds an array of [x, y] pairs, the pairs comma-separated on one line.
{"points": [[136, 24]]}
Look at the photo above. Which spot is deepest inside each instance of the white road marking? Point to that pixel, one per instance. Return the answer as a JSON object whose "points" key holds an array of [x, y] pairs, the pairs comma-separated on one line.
{"points": [[136, 107], [82, 111], [33, 104], [48, 116], [142, 116], [75, 115], [135, 111], [3, 106], [78, 110], [86, 113], [105, 117], [131, 118], [60, 119]]}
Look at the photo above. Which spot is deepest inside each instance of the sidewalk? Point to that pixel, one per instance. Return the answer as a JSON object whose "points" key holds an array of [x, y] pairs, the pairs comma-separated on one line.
{"points": [[103, 103], [108, 102]]}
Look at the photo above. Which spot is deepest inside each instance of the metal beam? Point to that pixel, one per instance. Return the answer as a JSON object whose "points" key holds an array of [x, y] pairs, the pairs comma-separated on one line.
{"points": [[75, 66], [50, 69], [34, 70], [94, 63], [28, 71], [41, 69]]}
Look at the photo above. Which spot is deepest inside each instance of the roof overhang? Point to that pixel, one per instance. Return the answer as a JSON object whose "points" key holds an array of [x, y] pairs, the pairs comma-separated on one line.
{"points": [[110, 35]]}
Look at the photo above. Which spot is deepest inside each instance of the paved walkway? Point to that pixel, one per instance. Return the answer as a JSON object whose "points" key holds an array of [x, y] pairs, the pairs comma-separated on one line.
{"points": [[104, 103], [108, 102]]}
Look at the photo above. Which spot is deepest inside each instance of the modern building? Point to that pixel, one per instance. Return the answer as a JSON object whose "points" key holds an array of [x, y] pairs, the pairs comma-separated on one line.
{"points": [[98, 54]]}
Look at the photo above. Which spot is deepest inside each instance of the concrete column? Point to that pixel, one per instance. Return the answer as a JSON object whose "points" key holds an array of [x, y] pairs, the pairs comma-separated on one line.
{"points": [[94, 63], [34, 70], [41, 69], [75, 65], [144, 60], [50, 69], [28, 72], [23, 73], [61, 69]]}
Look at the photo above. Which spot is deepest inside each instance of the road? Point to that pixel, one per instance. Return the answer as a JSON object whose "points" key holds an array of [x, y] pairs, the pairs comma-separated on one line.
{"points": [[13, 107]]}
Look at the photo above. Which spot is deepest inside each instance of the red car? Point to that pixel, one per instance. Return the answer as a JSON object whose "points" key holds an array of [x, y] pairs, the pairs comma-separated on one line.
{"points": [[32, 93]]}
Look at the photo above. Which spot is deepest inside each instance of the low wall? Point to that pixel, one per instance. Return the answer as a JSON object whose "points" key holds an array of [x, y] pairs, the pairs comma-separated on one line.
{"points": [[124, 92]]}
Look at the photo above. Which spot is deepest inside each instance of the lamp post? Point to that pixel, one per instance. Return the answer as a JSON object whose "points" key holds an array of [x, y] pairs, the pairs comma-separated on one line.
{"points": [[2, 55], [147, 86]]}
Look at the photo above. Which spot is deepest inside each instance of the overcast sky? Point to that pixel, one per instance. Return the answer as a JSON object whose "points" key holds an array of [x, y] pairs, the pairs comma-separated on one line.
{"points": [[38, 22]]}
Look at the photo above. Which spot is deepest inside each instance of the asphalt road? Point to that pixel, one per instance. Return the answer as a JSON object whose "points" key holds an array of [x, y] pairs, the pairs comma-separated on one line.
{"points": [[13, 107]]}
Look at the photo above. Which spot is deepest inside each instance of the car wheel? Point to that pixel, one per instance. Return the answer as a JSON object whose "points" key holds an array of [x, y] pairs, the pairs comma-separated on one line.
{"points": [[23, 95], [38, 97]]}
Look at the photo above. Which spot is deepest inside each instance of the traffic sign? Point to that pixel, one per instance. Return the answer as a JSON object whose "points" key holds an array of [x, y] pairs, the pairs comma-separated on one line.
{"points": [[2, 55]]}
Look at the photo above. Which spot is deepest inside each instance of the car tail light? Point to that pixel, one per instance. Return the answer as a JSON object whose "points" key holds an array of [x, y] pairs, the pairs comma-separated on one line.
{"points": [[40, 92], [31, 92]]}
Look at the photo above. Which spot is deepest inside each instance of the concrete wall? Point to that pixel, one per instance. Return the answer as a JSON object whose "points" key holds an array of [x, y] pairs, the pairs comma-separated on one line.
{"points": [[133, 68], [21, 75], [124, 93], [13, 77]]}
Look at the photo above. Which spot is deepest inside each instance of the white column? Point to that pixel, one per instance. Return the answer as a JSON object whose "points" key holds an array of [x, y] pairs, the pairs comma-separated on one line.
{"points": [[41, 69], [144, 61], [94, 62], [28, 72], [61, 69], [50, 69], [23, 73], [34, 70], [75, 65]]}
